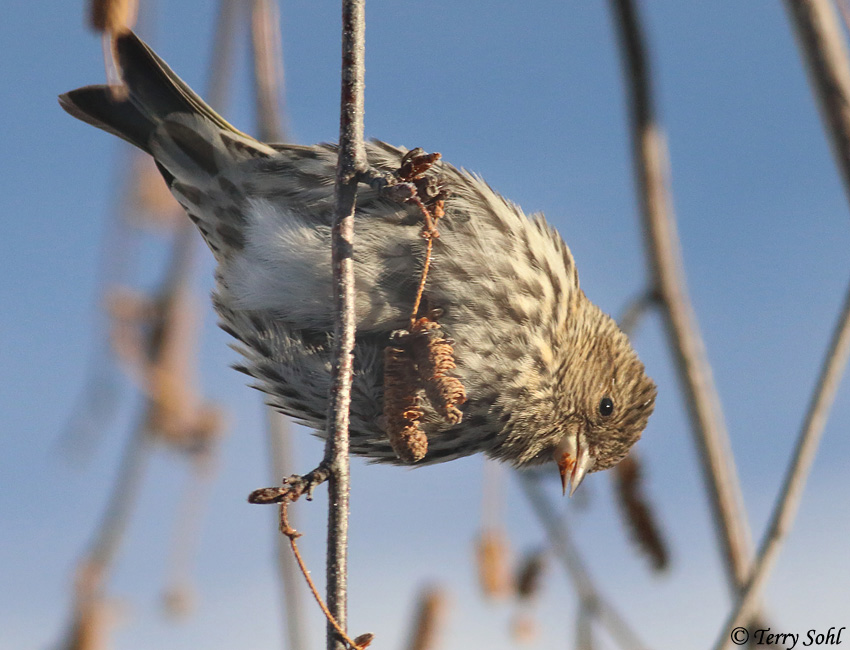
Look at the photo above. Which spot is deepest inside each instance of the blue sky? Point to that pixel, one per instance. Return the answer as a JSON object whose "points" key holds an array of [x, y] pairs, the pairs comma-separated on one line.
{"points": [[530, 97]]}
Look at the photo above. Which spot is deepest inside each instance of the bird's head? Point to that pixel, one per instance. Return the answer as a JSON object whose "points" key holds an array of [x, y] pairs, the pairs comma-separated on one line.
{"points": [[603, 394]]}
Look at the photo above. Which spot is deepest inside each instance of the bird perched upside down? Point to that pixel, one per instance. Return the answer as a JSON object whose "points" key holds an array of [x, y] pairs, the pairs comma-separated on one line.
{"points": [[547, 375]]}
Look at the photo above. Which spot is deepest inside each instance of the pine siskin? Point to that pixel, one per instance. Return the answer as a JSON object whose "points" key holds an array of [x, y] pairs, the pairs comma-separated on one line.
{"points": [[547, 375]]}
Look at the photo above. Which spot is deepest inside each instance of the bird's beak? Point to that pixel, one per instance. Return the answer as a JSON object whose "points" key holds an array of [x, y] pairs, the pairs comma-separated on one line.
{"points": [[574, 461]]}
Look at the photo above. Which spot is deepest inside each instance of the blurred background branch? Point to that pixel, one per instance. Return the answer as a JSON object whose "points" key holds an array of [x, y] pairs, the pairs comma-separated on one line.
{"points": [[788, 502], [823, 47], [268, 70], [562, 545], [668, 282]]}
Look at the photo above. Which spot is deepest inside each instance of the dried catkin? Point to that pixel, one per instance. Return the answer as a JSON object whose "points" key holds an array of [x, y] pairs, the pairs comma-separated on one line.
{"points": [[529, 576], [401, 405], [434, 357], [113, 16], [638, 514], [492, 554], [429, 620]]}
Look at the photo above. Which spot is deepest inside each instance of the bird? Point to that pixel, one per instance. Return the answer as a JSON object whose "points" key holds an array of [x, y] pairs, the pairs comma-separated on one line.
{"points": [[546, 375]]}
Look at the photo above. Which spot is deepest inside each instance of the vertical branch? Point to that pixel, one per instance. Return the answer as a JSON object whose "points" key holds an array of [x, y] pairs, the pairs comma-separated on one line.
{"points": [[821, 43], [352, 160], [650, 155], [795, 480]]}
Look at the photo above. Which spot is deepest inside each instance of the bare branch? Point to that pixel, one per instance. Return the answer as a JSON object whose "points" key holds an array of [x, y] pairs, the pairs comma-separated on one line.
{"points": [[110, 532], [565, 550], [822, 44], [268, 85], [584, 630], [795, 480], [187, 531], [650, 154], [268, 69], [221, 55], [635, 310], [352, 160]]}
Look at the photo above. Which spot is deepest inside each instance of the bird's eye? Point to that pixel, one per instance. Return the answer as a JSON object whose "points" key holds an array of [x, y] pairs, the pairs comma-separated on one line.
{"points": [[606, 407]]}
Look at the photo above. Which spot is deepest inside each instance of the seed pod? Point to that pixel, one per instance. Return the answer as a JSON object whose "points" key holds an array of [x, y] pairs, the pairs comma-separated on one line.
{"points": [[113, 16], [638, 514], [493, 565], [401, 403], [434, 357], [364, 640], [524, 629], [179, 601], [429, 619], [528, 579]]}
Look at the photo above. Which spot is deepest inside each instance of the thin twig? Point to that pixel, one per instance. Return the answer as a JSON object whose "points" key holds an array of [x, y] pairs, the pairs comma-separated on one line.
{"points": [[220, 70], [844, 10], [565, 550], [429, 232], [787, 506], [287, 530], [822, 44], [98, 401], [635, 310], [123, 496], [650, 156], [420, 290], [351, 161], [188, 528], [492, 494], [584, 629]]}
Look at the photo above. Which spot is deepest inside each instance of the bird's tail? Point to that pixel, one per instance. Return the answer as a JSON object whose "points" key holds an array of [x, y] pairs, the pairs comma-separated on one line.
{"points": [[154, 92]]}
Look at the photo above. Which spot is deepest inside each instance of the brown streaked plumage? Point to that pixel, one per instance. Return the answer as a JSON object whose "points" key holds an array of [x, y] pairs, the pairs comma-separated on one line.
{"points": [[547, 374]]}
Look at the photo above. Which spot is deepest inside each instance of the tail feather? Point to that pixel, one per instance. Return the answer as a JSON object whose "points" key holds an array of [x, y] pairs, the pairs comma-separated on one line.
{"points": [[154, 93], [94, 105], [155, 88], [204, 160]]}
